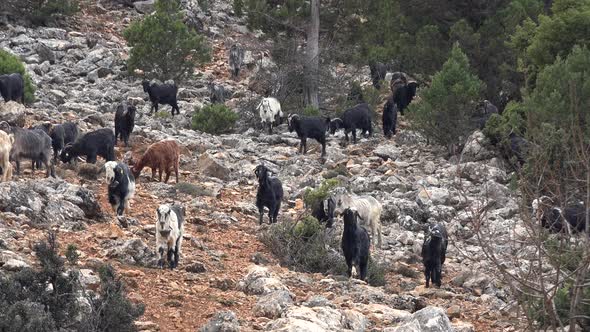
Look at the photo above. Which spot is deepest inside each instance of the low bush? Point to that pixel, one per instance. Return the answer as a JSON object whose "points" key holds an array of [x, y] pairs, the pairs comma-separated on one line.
{"points": [[46, 11], [311, 111], [214, 119], [313, 197], [239, 8], [10, 64], [305, 247], [49, 298]]}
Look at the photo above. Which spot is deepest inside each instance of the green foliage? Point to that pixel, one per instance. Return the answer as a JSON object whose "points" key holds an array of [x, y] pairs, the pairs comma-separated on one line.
{"points": [[72, 254], [46, 300], [513, 119], [302, 250], [311, 111], [214, 119], [307, 227], [46, 11], [372, 96], [163, 46], [238, 7], [11, 64], [162, 114], [306, 248], [313, 197], [444, 115], [111, 309], [376, 273]]}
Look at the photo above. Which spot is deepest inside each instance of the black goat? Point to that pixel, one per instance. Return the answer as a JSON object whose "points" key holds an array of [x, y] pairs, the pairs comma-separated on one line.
{"points": [[355, 243], [124, 122], [164, 94], [12, 87], [270, 193], [358, 117], [324, 212], [121, 186], [100, 142], [434, 250], [61, 135], [518, 147], [378, 73], [309, 127], [403, 92], [236, 58], [389, 118], [32, 144], [571, 219]]}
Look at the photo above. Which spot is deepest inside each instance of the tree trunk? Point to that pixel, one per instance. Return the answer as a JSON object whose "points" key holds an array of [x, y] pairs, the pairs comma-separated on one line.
{"points": [[312, 62]]}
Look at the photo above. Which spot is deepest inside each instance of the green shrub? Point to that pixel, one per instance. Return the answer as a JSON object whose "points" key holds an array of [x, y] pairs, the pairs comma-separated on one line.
{"points": [[11, 64], [304, 247], [163, 46], [313, 197], [111, 310], [376, 273], [214, 119], [513, 119], [162, 114], [239, 8], [307, 227], [45, 11], [72, 254], [46, 300], [445, 112], [311, 111], [297, 247]]}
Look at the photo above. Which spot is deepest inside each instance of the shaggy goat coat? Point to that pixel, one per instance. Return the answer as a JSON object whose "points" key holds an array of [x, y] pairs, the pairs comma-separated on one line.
{"points": [[12, 87], [100, 142], [270, 194], [121, 186], [163, 156], [358, 117], [309, 127], [434, 250], [169, 231], [6, 142], [355, 244], [369, 210], [270, 112]]}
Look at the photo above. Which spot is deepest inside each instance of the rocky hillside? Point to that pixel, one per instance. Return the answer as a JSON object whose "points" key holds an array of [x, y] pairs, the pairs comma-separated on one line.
{"points": [[227, 279]]}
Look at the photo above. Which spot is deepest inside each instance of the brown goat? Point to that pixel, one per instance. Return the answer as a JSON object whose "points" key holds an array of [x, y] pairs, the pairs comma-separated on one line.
{"points": [[161, 156], [6, 142]]}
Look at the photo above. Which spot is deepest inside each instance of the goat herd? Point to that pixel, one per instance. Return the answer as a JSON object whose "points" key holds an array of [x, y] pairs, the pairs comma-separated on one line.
{"points": [[359, 212]]}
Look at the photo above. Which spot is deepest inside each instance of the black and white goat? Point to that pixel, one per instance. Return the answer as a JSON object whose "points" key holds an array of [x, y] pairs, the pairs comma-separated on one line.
{"points": [[309, 127], [12, 87], [236, 58], [571, 219], [270, 194], [164, 94], [434, 250], [367, 206], [270, 112], [121, 186], [169, 231], [31, 144], [124, 122], [217, 93], [355, 244], [357, 117], [100, 142]]}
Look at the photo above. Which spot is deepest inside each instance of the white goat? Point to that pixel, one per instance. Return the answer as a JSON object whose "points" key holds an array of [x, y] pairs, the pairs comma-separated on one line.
{"points": [[369, 210], [6, 142], [169, 231], [269, 109]]}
